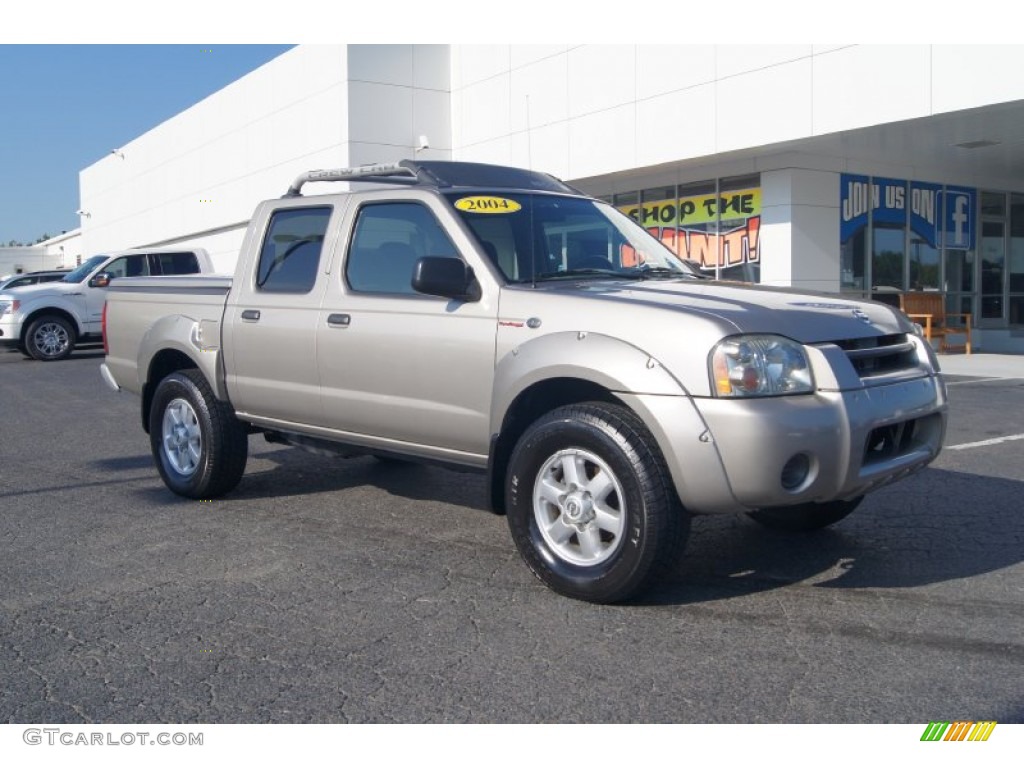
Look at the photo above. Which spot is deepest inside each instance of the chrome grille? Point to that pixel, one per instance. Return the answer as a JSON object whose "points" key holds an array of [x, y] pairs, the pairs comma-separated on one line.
{"points": [[880, 355]]}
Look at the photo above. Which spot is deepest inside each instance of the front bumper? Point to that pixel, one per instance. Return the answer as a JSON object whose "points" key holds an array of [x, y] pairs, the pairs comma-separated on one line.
{"points": [[739, 456], [10, 333]]}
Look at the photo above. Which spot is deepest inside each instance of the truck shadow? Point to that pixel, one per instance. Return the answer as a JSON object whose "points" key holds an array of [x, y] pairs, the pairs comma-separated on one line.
{"points": [[297, 473], [934, 527]]}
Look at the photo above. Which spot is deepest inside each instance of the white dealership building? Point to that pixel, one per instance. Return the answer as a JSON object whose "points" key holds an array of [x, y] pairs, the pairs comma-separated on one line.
{"points": [[862, 169]]}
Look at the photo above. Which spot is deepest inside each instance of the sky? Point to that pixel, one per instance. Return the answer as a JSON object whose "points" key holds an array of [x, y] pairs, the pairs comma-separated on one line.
{"points": [[63, 107]]}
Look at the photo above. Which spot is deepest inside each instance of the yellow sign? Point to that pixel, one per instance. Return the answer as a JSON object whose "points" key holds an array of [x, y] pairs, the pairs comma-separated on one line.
{"points": [[697, 209], [487, 204]]}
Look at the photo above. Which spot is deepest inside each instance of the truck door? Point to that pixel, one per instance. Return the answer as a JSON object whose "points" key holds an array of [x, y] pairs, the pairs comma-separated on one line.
{"points": [[410, 371], [271, 315], [91, 299]]}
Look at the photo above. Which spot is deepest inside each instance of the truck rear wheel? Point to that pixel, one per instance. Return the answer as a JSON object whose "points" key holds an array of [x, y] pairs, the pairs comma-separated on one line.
{"points": [[590, 503], [200, 448], [805, 517], [49, 338]]}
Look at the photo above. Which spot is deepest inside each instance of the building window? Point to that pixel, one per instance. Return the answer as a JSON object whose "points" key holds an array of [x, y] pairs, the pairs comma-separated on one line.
{"points": [[714, 224]]}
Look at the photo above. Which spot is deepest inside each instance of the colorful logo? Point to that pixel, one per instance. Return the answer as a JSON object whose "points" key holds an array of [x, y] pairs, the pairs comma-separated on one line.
{"points": [[961, 730]]}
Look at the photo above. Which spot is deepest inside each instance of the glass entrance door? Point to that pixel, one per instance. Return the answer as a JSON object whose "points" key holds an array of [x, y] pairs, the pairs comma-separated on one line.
{"points": [[1015, 276], [993, 272]]}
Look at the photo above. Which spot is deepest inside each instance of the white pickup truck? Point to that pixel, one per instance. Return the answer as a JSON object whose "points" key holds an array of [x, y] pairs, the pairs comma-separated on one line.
{"points": [[47, 320], [497, 320]]}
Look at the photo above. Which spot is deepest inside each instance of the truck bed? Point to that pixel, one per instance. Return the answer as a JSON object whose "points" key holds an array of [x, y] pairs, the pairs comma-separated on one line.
{"points": [[137, 305]]}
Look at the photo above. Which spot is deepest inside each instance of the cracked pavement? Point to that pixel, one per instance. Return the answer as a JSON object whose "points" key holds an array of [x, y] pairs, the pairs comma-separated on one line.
{"points": [[350, 590]]}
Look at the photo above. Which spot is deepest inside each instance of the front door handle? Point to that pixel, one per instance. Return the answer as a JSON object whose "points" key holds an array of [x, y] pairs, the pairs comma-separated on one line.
{"points": [[338, 320], [251, 315]]}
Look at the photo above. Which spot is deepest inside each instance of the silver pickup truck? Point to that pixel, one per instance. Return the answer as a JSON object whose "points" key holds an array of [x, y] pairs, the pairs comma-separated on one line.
{"points": [[497, 320]]}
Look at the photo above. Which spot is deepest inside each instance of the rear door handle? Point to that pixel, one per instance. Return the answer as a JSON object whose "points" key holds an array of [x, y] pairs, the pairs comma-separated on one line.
{"points": [[338, 320], [251, 314]]}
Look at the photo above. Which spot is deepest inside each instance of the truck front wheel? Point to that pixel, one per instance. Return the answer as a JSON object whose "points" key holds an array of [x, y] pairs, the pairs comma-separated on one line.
{"points": [[50, 337], [200, 448], [805, 517], [590, 503]]}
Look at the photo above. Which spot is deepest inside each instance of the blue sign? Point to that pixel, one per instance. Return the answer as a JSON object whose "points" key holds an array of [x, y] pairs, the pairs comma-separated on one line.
{"points": [[958, 218], [854, 196], [889, 197], [925, 210]]}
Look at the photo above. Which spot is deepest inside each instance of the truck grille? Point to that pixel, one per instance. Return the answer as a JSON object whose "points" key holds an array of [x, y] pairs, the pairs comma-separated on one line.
{"points": [[880, 355]]}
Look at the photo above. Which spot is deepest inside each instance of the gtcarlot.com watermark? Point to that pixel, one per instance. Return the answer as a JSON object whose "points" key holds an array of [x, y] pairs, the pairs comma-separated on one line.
{"points": [[73, 738]]}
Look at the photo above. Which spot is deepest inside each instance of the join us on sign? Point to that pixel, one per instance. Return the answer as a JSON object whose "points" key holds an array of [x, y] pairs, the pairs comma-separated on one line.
{"points": [[889, 196]]}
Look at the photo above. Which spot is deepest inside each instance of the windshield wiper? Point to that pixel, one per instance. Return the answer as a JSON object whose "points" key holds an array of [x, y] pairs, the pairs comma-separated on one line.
{"points": [[662, 273], [588, 272]]}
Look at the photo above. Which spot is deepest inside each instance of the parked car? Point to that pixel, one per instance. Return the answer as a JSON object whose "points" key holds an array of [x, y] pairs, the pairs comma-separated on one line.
{"points": [[46, 321], [497, 320], [31, 278]]}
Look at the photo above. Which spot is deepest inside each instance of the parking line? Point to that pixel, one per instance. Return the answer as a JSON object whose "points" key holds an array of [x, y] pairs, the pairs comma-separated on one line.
{"points": [[981, 443], [980, 381]]}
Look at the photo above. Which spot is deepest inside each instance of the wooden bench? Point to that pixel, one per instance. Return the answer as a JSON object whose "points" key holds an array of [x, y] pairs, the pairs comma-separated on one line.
{"points": [[929, 309]]}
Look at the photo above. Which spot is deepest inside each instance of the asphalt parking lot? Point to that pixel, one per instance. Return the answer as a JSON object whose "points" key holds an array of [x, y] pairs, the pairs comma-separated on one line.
{"points": [[331, 590]]}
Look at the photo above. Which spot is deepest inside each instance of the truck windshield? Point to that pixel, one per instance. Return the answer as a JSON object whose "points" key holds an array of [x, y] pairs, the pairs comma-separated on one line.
{"points": [[81, 272], [537, 237]]}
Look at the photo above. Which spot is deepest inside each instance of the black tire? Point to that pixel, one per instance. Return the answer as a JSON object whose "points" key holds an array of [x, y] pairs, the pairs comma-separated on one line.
{"points": [[202, 449], [801, 518], [596, 560], [21, 348], [50, 338]]}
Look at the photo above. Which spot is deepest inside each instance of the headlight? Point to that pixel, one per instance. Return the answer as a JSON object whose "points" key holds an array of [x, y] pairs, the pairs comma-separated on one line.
{"points": [[760, 366], [9, 306]]}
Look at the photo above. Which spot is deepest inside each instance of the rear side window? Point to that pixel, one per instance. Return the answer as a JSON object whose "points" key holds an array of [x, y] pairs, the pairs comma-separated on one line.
{"points": [[184, 263], [290, 255], [388, 240]]}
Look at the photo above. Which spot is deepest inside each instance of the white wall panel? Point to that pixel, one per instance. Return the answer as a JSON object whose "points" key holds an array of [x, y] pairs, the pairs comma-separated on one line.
{"points": [[543, 149], [480, 62], [603, 142], [431, 67], [871, 84], [675, 125], [391, 64], [497, 151], [521, 55], [546, 85], [485, 110], [966, 76], [665, 68], [601, 76], [431, 116], [380, 113], [764, 106], [736, 59]]}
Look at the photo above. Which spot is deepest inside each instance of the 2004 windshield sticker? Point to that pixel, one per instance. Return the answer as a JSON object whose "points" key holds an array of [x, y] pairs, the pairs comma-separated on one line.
{"points": [[487, 204]]}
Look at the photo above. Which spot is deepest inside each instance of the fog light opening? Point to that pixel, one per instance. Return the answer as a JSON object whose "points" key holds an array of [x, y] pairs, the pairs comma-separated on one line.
{"points": [[796, 471]]}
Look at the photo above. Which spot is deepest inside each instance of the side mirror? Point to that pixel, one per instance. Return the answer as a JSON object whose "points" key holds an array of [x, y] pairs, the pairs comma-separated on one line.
{"points": [[102, 280], [445, 276]]}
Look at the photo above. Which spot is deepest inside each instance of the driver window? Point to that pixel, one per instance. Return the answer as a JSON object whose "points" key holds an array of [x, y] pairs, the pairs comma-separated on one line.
{"points": [[388, 240], [129, 266]]}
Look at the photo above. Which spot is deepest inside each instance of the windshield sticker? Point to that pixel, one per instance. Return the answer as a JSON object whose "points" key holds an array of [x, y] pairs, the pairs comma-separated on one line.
{"points": [[487, 204]]}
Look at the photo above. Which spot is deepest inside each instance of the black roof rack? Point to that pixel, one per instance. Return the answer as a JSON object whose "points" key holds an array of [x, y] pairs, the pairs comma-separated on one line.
{"points": [[438, 173]]}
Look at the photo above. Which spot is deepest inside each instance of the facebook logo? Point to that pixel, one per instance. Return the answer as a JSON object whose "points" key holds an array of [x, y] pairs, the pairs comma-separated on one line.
{"points": [[958, 220]]}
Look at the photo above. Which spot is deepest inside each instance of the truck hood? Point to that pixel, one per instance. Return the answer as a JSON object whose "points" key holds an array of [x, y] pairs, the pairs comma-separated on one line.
{"points": [[39, 290], [806, 316]]}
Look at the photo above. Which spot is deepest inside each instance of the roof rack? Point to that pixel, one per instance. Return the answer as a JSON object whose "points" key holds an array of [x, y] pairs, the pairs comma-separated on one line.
{"points": [[393, 173], [438, 173]]}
